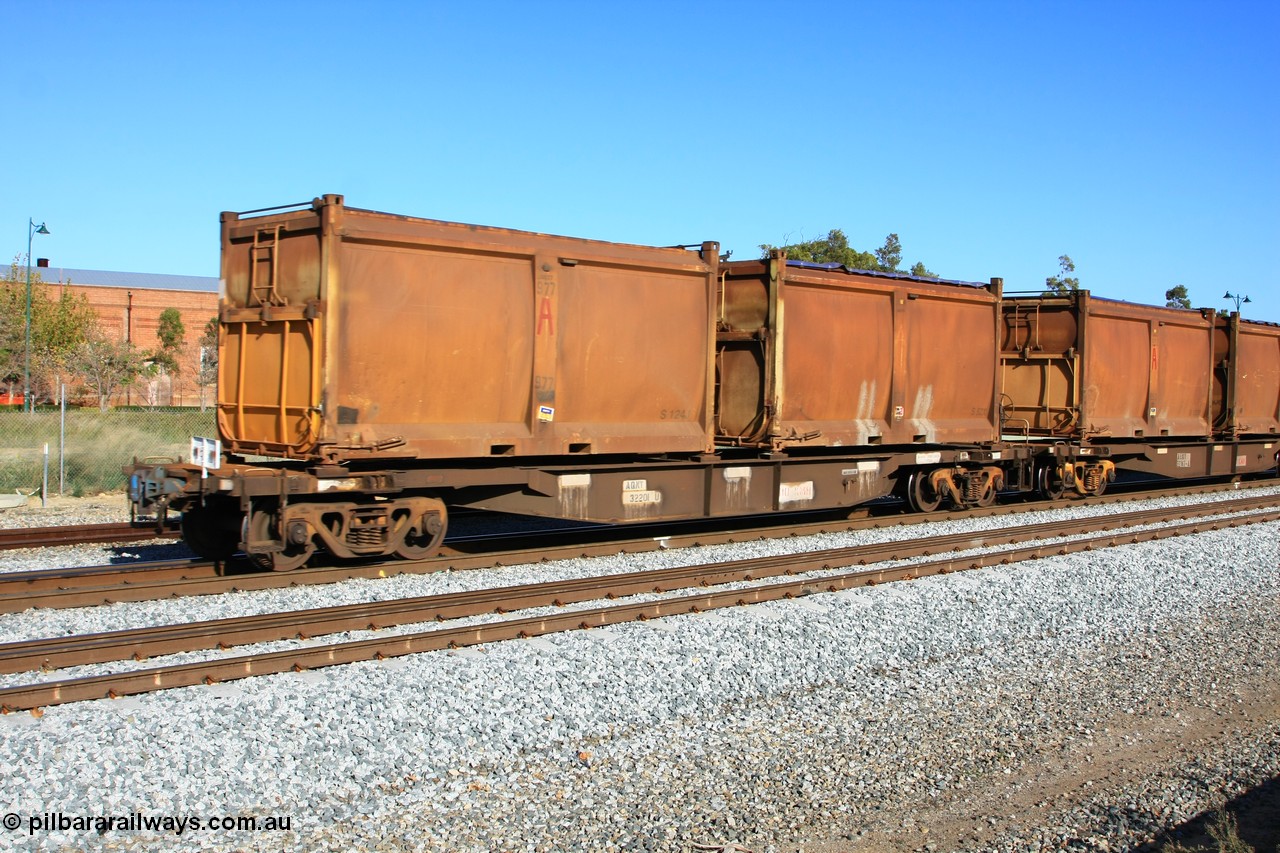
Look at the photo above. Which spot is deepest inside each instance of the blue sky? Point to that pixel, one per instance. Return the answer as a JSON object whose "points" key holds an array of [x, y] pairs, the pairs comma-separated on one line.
{"points": [[1142, 139]]}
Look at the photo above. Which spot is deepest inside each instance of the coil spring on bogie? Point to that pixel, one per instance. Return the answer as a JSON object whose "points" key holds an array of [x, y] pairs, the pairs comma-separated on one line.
{"points": [[973, 488], [367, 536], [1092, 479]]}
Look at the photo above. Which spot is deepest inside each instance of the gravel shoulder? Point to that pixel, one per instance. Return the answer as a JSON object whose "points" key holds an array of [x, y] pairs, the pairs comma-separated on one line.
{"points": [[100, 509], [1080, 703], [1184, 738]]}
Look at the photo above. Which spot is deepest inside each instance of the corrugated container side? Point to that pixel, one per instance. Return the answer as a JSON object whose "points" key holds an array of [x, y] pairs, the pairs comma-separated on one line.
{"points": [[1082, 367], [443, 340], [812, 357], [1253, 379]]}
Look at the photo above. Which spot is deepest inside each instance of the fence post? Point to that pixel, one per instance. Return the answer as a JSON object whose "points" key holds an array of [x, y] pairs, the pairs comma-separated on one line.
{"points": [[62, 440], [44, 483]]}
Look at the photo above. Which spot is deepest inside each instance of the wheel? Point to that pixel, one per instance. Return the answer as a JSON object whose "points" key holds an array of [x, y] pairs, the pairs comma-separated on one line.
{"points": [[259, 526], [211, 532], [921, 494], [424, 537], [1049, 483]]}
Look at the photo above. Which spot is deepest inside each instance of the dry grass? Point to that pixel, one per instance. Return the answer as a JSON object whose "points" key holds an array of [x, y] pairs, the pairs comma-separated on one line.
{"points": [[1225, 832], [98, 445]]}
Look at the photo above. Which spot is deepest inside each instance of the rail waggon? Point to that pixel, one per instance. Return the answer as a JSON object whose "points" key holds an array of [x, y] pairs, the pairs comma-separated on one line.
{"points": [[377, 370], [1166, 391]]}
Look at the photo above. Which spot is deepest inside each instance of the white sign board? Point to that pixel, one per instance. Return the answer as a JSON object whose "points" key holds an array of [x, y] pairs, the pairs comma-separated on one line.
{"points": [[207, 453]]}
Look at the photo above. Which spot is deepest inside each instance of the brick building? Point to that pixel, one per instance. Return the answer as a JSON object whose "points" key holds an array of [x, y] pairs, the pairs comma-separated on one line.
{"points": [[129, 304]]}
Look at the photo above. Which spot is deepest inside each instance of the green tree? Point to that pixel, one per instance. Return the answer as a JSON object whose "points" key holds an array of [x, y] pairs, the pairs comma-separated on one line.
{"points": [[207, 358], [106, 366], [831, 249], [59, 324], [889, 255], [1062, 284], [172, 336], [835, 248], [13, 314], [58, 329], [1177, 297], [919, 270]]}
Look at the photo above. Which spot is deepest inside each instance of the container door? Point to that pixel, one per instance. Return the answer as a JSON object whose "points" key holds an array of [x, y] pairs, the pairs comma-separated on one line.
{"points": [[744, 352], [270, 341], [1255, 391], [269, 383]]}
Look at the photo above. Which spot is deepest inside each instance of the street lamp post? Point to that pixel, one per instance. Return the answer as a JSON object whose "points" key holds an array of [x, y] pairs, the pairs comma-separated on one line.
{"points": [[32, 230], [1238, 298]]}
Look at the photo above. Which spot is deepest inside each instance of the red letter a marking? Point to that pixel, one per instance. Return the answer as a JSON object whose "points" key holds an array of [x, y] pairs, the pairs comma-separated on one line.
{"points": [[545, 316]]}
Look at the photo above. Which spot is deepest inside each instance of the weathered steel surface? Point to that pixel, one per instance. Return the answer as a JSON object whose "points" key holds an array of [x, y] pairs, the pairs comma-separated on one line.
{"points": [[1217, 458], [676, 490], [811, 357], [1083, 367], [1250, 371], [351, 334]]}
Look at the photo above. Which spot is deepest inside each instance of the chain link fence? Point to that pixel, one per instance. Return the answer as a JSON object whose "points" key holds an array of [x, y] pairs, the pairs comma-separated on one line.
{"points": [[84, 450]]}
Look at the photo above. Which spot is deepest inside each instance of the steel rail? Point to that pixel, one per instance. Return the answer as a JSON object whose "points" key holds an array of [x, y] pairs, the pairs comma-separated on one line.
{"points": [[90, 586], [141, 531], [16, 586], [209, 672], [81, 534], [150, 642]]}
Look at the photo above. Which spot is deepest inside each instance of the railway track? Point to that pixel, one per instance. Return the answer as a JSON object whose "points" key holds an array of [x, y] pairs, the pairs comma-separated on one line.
{"points": [[171, 528], [81, 534], [141, 581], [150, 642], [142, 530]]}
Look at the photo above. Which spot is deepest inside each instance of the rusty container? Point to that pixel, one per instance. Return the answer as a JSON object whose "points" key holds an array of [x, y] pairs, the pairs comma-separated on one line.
{"points": [[818, 357], [1080, 367], [1247, 355], [350, 334]]}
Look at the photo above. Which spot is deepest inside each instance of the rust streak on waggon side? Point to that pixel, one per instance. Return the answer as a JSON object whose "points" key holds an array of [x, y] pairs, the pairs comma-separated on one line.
{"points": [[813, 356], [351, 334], [387, 370], [1247, 377], [1077, 366]]}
